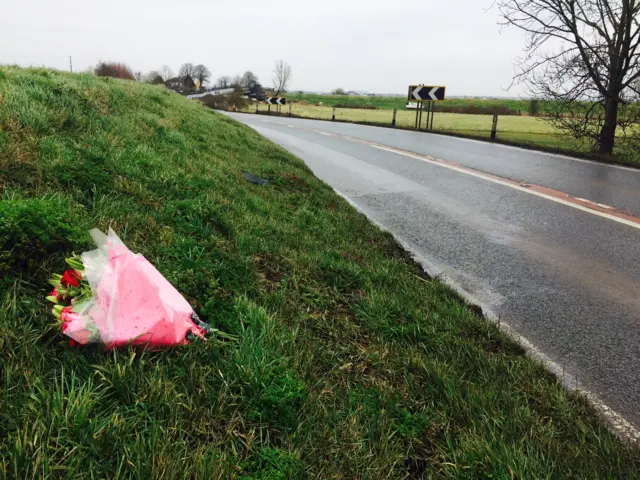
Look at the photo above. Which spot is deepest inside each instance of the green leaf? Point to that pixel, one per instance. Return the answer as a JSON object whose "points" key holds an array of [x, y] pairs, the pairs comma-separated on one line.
{"points": [[75, 263]]}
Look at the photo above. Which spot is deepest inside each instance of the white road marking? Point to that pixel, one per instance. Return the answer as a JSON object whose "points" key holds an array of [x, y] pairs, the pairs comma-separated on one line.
{"points": [[540, 152], [510, 185], [601, 205]]}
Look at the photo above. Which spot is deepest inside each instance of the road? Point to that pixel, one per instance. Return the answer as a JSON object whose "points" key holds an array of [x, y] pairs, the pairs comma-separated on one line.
{"points": [[517, 232]]}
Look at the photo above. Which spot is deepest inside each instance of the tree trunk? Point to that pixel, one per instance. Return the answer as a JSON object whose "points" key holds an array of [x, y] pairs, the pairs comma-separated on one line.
{"points": [[607, 137]]}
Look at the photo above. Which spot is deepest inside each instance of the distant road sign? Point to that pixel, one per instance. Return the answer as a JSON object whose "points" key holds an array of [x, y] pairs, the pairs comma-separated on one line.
{"points": [[276, 100], [424, 93]]}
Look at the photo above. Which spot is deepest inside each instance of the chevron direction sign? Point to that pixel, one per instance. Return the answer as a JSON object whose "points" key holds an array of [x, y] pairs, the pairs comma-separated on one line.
{"points": [[276, 100], [425, 93]]}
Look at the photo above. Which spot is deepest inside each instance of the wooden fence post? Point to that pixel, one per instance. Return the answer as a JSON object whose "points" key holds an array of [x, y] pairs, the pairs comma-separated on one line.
{"points": [[334, 114], [289, 109], [494, 127], [393, 122]]}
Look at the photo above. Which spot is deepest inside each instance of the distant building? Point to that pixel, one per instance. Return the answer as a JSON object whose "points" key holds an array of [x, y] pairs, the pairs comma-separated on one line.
{"points": [[178, 83]]}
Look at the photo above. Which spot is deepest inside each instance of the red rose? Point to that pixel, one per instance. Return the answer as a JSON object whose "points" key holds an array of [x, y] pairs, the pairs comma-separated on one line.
{"points": [[70, 278], [73, 343]]}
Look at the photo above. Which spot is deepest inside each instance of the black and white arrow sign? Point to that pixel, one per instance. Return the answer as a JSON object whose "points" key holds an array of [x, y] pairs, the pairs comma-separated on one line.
{"points": [[424, 93], [276, 100]]}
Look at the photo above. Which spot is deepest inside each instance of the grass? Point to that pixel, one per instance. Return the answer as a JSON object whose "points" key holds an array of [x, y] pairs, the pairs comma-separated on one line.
{"points": [[349, 363]]}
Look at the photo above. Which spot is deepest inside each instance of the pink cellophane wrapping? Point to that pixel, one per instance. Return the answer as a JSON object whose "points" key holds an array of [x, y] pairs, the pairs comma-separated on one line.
{"points": [[133, 303]]}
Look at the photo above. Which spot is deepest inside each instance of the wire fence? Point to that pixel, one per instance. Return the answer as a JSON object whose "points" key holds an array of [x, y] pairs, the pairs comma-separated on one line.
{"points": [[524, 129]]}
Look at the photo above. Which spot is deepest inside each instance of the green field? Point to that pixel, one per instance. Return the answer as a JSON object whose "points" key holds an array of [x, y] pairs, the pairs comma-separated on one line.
{"points": [[348, 363], [529, 131], [389, 103], [442, 121]]}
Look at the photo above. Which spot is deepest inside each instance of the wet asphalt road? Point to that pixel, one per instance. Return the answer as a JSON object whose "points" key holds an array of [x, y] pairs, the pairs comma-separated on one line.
{"points": [[609, 185], [567, 280]]}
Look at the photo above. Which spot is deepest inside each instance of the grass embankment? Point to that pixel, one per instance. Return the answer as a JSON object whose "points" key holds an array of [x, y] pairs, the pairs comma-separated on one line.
{"points": [[348, 364]]}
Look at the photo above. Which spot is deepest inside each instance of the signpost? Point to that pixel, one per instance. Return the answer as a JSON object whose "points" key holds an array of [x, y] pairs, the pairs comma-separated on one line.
{"points": [[426, 94]]}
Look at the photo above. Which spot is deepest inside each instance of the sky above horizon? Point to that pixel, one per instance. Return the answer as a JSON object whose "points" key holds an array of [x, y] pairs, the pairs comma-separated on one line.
{"points": [[378, 46]]}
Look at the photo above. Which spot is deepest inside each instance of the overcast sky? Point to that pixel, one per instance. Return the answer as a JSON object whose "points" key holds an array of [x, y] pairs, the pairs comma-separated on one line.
{"points": [[378, 46]]}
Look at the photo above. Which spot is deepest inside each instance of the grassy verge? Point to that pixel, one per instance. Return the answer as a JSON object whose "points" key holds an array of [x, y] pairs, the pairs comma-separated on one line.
{"points": [[349, 363], [528, 132]]}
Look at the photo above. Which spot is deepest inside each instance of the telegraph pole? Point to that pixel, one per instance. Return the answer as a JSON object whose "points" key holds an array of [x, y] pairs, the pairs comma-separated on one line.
{"points": [[70, 64]]}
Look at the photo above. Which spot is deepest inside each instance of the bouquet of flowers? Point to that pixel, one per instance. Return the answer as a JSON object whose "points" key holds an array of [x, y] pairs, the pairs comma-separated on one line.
{"points": [[115, 297]]}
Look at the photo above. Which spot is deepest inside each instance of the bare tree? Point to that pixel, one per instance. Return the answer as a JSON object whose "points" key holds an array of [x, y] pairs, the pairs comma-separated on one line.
{"points": [[166, 73], [187, 70], [223, 82], [583, 56], [282, 75], [153, 77], [249, 79], [202, 73], [236, 81]]}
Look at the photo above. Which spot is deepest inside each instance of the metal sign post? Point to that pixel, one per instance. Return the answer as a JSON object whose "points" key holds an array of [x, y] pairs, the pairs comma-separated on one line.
{"points": [[426, 126], [426, 94], [433, 109], [419, 116]]}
